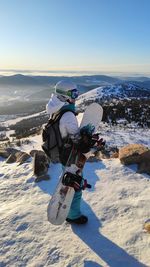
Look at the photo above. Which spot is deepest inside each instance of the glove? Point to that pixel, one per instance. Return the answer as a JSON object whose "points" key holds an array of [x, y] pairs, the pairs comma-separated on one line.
{"points": [[96, 141], [87, 130]]}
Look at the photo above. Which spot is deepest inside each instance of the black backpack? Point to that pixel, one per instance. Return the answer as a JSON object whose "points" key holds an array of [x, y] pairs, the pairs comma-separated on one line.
{"points": [[51, 136]]}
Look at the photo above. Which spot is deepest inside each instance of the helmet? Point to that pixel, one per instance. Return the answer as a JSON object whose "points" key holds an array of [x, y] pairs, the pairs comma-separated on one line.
{"points": [[66, 90]]}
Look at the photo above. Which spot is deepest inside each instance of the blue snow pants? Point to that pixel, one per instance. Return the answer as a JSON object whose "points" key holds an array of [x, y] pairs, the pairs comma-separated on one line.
{"points": [[75, 212]]}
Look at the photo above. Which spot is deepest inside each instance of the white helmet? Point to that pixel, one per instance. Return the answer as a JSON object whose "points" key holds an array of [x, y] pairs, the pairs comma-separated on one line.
{"points": [[66, 90]]}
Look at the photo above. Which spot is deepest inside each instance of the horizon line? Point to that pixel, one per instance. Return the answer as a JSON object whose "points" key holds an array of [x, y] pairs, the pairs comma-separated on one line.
{"points": [[85, 72]]}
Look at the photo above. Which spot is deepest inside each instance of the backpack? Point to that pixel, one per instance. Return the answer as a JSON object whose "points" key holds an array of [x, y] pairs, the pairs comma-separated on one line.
{"points": [[51, 137]]}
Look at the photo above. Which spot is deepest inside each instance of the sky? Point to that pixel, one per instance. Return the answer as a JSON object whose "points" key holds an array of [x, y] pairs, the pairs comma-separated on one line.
{"points": [[75, 35]]}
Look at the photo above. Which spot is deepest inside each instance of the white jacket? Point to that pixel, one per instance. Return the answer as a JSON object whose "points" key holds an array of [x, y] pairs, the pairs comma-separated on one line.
{"points": [[68, 123]]}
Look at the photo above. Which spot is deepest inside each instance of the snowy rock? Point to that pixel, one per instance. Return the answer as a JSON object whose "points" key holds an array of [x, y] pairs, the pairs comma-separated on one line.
{"points": [[131, 154]]}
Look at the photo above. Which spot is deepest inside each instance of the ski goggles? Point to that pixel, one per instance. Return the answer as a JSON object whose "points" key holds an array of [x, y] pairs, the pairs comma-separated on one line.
{"points": [[74, 93]]}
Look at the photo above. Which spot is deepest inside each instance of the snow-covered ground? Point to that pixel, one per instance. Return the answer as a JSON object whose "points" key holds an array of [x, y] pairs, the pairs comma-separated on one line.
{"points": [[7, 121], [117, 206]]}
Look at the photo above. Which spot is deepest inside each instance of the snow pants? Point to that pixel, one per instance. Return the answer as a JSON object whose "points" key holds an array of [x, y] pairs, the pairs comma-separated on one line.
{"points": [[75, 212]]}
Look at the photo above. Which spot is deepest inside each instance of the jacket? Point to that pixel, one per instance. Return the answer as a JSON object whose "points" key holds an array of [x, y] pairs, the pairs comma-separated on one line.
{"points": [[68, 123]]}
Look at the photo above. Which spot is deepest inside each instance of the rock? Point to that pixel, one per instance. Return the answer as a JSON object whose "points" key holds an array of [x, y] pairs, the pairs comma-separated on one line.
{"points": [[40, 163], [131, 154], [6, 152], [144, 164], [146, 226], [14, 155], [115, 155], [22, 157], [11, 158], [32, 152], [18, 156]]}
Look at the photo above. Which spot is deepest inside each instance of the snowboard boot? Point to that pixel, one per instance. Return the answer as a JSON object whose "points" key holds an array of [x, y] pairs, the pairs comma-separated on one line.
{"points": [[81, 220]]}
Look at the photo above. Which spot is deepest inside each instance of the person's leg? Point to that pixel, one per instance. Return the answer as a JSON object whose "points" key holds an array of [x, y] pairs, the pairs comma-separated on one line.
{"points": [[75, 206], [75, 215]]}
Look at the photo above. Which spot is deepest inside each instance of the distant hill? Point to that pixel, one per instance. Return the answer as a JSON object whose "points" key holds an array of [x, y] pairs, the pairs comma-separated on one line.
{"points": [[85, 83], [119, 91], [25, 80], [125, 101], [143, 84], [137, 78], [18, 79]]}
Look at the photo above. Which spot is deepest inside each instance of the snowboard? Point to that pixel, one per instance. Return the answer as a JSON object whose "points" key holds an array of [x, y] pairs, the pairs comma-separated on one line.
{"points": [[60, 202], [92, 115]]}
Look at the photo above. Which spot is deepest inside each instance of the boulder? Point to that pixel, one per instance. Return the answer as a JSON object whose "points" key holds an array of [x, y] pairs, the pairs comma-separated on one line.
{"points": [[115, 155], [11, 158], [131, 154], [6, 152], [40, 163], [146, 226], [32, 152], [144, 164], [18, 156], [22, 157]]}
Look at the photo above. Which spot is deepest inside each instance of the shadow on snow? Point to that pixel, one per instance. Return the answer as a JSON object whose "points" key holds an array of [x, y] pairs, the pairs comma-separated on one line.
{"points": [[107, 250], [90, 234]]}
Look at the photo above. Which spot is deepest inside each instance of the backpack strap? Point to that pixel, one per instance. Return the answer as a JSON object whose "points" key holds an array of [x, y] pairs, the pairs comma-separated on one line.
{"points": [[57, 116]]}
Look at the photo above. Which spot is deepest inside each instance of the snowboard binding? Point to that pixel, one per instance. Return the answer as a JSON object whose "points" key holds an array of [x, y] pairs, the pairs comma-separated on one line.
{"points": [[75, 180]]}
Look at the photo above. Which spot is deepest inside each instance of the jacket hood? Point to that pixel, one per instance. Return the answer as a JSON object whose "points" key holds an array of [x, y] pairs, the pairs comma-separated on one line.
{"points": [[54, 105]]}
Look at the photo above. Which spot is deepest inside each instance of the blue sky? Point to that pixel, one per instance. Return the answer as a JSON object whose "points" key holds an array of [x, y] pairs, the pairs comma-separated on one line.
{"points": [[87, 35]]}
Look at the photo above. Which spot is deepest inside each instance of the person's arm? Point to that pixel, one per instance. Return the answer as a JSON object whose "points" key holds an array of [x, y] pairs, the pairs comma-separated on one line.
{"points": [[69, 125]]}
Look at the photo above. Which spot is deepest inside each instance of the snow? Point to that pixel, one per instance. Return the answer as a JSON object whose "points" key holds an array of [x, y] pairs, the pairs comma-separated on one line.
{"points": [[119, 136], [117, 206], [13, 121], [123, 91], [91, 95]]}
